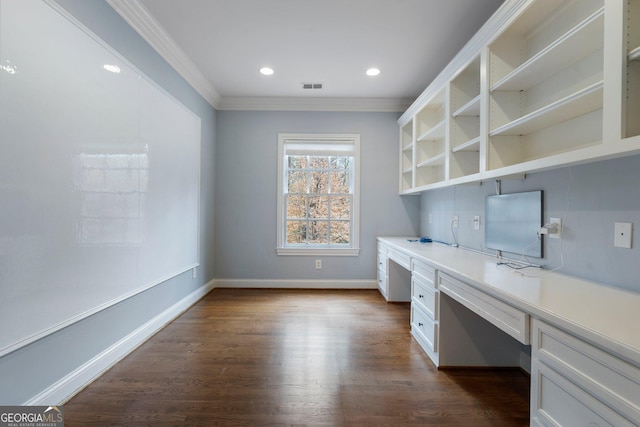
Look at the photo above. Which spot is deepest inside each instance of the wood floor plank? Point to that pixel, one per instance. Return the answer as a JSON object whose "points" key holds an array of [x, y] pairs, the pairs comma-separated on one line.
{"points": [[244, 357]]}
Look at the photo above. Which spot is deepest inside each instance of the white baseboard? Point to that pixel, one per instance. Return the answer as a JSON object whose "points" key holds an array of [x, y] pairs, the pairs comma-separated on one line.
{"points": [[296, 284], [64, 389]]}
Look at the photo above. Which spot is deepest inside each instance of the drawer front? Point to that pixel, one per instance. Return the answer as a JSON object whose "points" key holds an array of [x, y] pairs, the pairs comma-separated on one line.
{"points": [[556, 401], [382, 283], [382, 261], [424, 326], [425, 296], [502, 315], [610, 379], [426, 272], [399, 257]]}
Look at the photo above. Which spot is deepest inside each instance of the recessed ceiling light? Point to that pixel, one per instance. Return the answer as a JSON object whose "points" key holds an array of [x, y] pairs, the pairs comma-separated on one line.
{"points": [[267, 71], [373, 72], [112, 68]]}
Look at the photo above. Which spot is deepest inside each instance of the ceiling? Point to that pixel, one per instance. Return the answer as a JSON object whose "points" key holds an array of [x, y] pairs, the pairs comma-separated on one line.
{"points": [[220, 45]]}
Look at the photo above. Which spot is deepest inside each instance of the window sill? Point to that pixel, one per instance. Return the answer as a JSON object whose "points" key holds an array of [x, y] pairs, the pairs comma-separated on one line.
{"points": [[318, 251]]}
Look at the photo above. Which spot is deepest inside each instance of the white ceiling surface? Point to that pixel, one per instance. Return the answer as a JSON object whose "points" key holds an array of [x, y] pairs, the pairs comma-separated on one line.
{"points": [[332, 42]]}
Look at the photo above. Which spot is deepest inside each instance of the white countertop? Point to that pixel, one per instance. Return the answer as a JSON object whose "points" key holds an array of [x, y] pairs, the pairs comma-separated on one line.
{"points": [[606, 316]]}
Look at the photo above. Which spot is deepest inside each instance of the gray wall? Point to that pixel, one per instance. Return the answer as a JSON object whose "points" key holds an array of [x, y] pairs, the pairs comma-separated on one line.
{"points": [[31, 369], [589, 198], [246, 171]]}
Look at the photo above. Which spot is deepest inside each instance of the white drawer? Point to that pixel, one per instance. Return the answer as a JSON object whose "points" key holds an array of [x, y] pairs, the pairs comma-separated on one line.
{"points": [[426, 272], [424, 295], [382, 261], [502, 315], [610, 379], [399, 257], [422, 325], [382, 283], [556, 401]]}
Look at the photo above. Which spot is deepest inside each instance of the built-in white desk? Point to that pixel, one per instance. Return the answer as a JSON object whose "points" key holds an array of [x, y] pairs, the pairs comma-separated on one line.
{"points": [[583, 338]]}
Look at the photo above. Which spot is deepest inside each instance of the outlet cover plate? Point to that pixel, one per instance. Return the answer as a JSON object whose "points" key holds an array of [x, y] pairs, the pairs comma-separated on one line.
{"points": [[622, 234], [558, 233]]}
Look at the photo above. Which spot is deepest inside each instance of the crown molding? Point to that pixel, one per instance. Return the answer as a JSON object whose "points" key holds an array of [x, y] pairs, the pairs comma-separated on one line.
{"points": [[380, 105], [139, 18]]}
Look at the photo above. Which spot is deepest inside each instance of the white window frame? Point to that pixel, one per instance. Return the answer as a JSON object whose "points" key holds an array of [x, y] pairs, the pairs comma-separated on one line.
{"points": [[316, 249]]}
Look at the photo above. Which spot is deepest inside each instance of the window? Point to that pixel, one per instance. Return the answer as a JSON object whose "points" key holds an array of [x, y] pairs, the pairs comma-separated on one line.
{"points": [[318, 194]]}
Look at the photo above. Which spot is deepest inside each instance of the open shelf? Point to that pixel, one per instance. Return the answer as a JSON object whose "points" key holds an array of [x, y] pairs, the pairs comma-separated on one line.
{"points": [[464, 123], [406, 156], [532, 96], [437, 160], [470, 109], [546, 82], [436, 132], [430, 174], [582, 102], [577, 43], [472, 145]]}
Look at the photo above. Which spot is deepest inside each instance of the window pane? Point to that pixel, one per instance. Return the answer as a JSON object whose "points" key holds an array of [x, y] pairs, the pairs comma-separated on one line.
{"points": [[318, 162], [319, 182], [340, 232], [342, 162], [296, 231], [341, 207], [319, 207], [297, 162], [318, 232], [340, 183], [297, 182], [296, 207]]}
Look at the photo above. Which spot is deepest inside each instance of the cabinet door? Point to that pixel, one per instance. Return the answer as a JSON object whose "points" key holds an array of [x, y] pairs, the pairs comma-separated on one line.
{"points": [[556, 401]]}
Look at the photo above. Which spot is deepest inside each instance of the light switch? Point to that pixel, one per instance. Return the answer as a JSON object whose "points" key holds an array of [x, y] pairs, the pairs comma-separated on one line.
{"points": [[623, 233]]}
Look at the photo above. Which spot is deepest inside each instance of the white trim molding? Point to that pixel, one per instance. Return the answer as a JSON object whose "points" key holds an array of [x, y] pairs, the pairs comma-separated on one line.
{"points": [[296, 284], [141, 20], [365, 105], [65, 388]]}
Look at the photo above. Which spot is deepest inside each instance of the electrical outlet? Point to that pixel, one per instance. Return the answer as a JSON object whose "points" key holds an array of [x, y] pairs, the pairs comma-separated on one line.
{"points": [[194, 273], [455, 221], [558, 224], [623, 232], [430, 218], [476, 222], [318, 264]]}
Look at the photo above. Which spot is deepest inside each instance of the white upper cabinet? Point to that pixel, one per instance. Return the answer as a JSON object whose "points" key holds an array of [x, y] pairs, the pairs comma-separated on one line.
{"points": [[631, 85], [545, 83]]}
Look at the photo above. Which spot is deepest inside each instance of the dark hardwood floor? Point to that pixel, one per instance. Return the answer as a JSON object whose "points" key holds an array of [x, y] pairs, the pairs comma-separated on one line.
{"points": [[244, 357]]}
